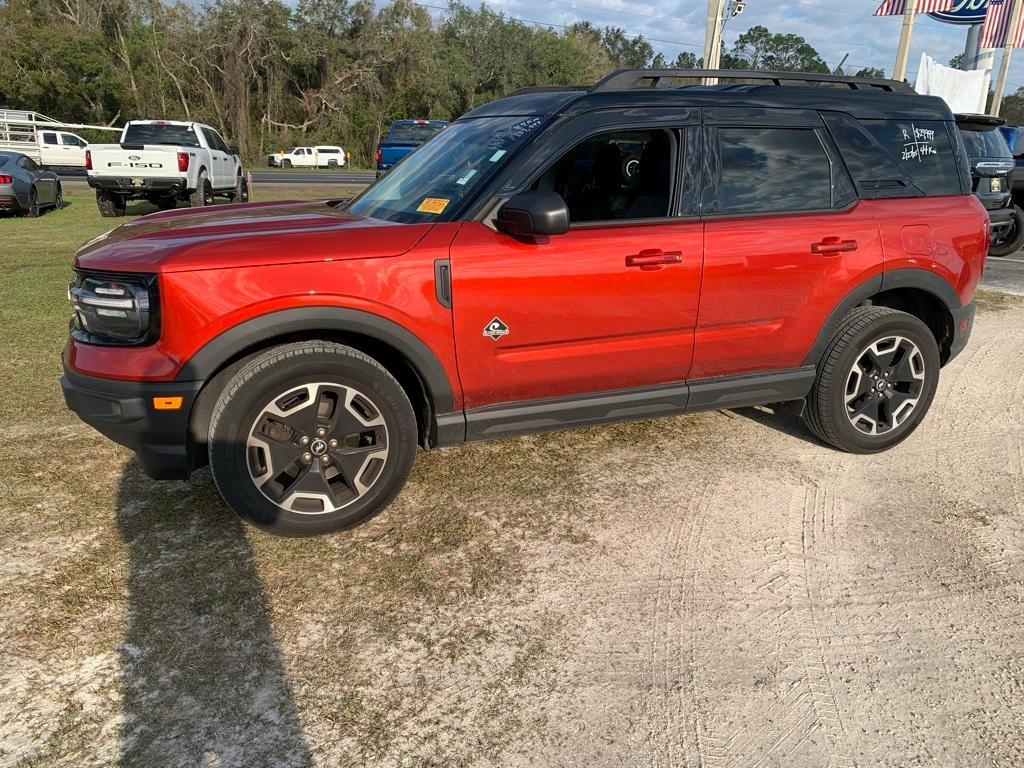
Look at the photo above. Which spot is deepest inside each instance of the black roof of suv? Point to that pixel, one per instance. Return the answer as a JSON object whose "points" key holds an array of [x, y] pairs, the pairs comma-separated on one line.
{"points": [[860, 97]]}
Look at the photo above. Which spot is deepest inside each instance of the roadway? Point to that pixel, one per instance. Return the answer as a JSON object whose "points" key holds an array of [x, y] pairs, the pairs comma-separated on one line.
{"points": [[1005, 274]]}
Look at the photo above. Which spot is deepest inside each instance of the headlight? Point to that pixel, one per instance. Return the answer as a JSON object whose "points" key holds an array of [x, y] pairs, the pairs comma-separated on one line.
{"points": [[113, 308]]}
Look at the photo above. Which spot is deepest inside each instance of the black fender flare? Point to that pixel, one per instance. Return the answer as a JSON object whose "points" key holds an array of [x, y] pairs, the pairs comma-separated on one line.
{"points": [[911, 277], [258, 330]]}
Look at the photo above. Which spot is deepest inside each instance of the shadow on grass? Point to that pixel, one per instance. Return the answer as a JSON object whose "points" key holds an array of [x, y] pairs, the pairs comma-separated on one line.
{"points": [[204, 684]]}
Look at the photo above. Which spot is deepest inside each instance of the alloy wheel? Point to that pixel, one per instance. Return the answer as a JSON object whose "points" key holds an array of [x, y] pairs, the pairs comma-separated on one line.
{"points": [[317, 448], [884, 385]]}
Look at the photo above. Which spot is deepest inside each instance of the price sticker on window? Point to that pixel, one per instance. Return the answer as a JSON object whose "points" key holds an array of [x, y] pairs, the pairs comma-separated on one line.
{"points": [[433, 205]]}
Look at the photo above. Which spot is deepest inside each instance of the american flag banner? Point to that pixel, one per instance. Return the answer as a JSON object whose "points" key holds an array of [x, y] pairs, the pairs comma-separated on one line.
{"points": [[997, 21], [899, 7]]}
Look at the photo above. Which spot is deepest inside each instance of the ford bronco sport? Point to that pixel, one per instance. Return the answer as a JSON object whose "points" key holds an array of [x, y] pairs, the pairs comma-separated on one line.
{"points": [[558, 257]]}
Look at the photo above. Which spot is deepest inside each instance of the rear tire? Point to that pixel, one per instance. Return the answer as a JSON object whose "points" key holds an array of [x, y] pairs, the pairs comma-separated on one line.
{"points": [[110, 205], [875, 381], [332, 165], [274, 466], [33, 204], [202, 195], [1014, 240]]}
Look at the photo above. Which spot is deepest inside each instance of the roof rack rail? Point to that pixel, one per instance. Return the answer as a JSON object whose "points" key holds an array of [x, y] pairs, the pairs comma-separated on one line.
{"points": [[625, 79], [548, 89]]}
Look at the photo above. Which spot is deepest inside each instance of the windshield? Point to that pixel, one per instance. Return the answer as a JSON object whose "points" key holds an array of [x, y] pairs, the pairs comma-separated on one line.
{"points": [[986, 144], [170, 135], [414, 133], [432, 183]]}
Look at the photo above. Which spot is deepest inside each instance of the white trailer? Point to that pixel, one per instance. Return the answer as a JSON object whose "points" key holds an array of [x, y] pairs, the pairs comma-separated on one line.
{"points": [[49, 142]]}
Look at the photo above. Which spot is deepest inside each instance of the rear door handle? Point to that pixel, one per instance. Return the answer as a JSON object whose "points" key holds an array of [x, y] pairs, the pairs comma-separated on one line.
{"points": [[650, 258], [833, 245]]}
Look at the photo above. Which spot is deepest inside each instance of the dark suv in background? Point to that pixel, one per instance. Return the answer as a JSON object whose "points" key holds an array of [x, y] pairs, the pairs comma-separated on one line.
{"points": [[992, 167]]}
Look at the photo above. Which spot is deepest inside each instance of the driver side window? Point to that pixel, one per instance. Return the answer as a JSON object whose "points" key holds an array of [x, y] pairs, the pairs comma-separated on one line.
{"points": [[613, 176]]}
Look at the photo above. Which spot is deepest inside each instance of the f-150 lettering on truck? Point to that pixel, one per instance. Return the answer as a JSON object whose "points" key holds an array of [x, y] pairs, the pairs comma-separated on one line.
{"points": [[554, 258], [164, 162]]}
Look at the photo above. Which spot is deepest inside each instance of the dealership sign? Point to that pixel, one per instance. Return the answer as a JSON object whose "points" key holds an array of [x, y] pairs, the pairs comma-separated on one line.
{"points": [[964, 12]]}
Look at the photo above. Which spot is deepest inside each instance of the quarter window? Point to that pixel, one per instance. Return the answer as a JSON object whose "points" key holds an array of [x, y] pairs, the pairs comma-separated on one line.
{"points": [[923, 151], [773, 169], [614, 176]]}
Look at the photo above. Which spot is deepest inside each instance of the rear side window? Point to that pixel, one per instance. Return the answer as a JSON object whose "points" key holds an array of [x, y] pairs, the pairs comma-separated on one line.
{"points": [[897, 158], [49, 138], [923, 150], [773, 169]]}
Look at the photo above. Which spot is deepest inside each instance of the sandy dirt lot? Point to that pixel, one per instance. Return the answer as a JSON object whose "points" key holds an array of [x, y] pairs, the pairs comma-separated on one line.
{"points": [[715, 590]]}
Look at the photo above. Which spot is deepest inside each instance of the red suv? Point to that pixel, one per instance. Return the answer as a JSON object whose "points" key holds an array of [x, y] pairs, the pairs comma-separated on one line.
{"points": [[555, 258]]}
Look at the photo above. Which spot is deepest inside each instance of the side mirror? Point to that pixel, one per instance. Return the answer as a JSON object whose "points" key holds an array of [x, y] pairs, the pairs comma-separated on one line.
{"points": [[533, 215], [233, 149]]}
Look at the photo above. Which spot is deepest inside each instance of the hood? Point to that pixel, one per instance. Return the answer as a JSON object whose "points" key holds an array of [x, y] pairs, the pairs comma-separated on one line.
{"points": [[249, 234]]}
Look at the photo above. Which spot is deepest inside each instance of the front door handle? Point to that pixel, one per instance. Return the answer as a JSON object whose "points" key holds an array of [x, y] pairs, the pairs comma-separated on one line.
{"points": [[652, 258], [833, 245]]}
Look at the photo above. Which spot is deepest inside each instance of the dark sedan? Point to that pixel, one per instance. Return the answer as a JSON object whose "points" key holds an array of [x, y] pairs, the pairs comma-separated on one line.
{"points": [[25, 187]]}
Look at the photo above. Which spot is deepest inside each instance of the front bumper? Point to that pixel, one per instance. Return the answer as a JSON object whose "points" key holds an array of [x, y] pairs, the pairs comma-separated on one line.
{"points": [[124, 412], [963, 324], [147, 186]]}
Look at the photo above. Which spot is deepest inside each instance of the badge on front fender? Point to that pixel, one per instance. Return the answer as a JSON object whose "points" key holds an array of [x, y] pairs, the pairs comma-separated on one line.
{"points": [[496, 329]]}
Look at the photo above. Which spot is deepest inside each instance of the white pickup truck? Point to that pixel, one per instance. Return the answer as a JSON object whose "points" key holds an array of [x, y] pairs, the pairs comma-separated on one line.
{"points": [[164, 161], [327, 156]]}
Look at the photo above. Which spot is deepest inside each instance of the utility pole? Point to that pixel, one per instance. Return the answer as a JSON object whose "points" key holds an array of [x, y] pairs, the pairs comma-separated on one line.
{"points": [[909, 11], [713, 38], [1004, 64], [719, 12]]}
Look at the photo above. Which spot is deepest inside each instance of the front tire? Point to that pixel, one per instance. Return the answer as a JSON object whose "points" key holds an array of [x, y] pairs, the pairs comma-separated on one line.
{"points": [[875, 381], [310, 438], [1013, 241]]}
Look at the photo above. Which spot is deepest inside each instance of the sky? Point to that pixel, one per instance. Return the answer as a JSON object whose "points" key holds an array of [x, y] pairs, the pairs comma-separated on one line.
{"points": [[833, 27]]}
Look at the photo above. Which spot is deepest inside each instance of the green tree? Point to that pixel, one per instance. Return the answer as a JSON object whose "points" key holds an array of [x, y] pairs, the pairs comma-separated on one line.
{"points": [[757, 48], [1012, 107]]}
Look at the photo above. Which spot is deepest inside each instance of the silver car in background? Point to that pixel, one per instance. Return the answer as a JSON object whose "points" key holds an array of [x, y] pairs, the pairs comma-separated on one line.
{"points": [[25, 187]]}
